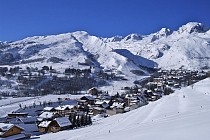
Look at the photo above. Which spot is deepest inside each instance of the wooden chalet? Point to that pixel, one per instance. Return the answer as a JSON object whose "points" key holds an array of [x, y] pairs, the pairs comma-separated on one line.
{"points": [[88, 99], [59, 124], [44, 126], [11, 131], [48, 116], [55, 125]]}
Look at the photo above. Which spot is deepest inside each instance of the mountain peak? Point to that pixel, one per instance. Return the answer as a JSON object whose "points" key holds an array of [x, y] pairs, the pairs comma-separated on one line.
{"points": [[163, 32], [193, 27], [133, 37]]}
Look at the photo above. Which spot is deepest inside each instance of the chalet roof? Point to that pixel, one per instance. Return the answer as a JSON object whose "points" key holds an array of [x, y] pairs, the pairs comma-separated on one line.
{"points": [[29, 127], [105, 105], [47, 115], [99, 102], [117, 105], [5, 127], [27, 120], [18, 113], [63, 121], [62, 108], [90, 98], [44, 124], [106, 97], [48, 108], [98, 108]]}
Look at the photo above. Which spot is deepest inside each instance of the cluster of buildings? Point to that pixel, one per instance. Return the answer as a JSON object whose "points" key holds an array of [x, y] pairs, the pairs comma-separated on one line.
{"points": [[70, 113]]}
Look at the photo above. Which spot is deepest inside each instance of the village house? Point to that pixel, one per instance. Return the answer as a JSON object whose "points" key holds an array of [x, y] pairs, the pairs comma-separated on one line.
{"points": [[102, 103], [88, 99], [115, 108], [49, 109], [11, 131], [98, 110], [62, 110], [93, 91], [47, 116], [59, 124], [66, 110], [28, 123], [44, 126]]}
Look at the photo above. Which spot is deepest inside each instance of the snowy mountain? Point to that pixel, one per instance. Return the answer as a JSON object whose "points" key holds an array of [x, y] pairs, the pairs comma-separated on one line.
{"points": [[188, 47]]}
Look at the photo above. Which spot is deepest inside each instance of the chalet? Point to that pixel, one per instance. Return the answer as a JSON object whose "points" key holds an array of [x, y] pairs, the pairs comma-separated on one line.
{"points": [[21, 120], [62, 110], [44, 126], [116, 108], [11, 131], [59, 124], [48, 116], [170, 82], [176, 86], [49, 109], [93, 91], [88, 99], [102, 104], [28, 123], [98, 110]]}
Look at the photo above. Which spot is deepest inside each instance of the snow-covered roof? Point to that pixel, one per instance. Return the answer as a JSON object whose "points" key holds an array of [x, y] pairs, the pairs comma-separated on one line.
{"points": [[99, 102], [88, 97], [5, 127], [29, 127], [62, 108], [47, 115], [48, 108], [44, 124], [98, 108], [27, 120], [117, 105], [63, 121]]}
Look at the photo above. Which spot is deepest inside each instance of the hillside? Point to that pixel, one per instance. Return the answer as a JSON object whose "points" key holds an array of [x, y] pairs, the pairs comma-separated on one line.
{"points": [[187, 47], [172, 117]]}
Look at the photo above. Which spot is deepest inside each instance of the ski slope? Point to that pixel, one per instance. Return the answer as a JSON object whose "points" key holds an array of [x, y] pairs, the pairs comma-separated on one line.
{"points": [[183, 115]]}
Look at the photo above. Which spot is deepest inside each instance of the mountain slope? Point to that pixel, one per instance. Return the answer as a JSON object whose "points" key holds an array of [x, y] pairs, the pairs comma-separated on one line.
{"points": [[172, 117], [187, 47]]}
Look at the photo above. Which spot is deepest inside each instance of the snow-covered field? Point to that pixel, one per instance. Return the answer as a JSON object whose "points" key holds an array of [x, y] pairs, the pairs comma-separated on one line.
{"points": [[183, 115], [12, 104]]}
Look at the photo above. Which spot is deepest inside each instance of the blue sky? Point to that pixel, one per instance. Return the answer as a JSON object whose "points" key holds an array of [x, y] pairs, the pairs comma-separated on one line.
{"points": [[105, 18]]}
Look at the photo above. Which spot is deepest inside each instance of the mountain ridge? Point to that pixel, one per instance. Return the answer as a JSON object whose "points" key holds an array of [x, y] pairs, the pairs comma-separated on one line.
{"points": [[186, 47]]}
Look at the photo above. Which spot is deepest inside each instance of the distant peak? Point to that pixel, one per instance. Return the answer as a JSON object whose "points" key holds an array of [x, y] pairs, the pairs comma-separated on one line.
{"points": [[81, 32], [193, 27], [163, 32], [133, 37]]}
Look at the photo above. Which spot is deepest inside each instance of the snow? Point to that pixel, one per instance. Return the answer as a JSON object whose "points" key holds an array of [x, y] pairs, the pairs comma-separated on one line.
{"points": [[44, 124], [5, 127], [47, 115], [172, 117], [12, 104], [187, 47]]}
